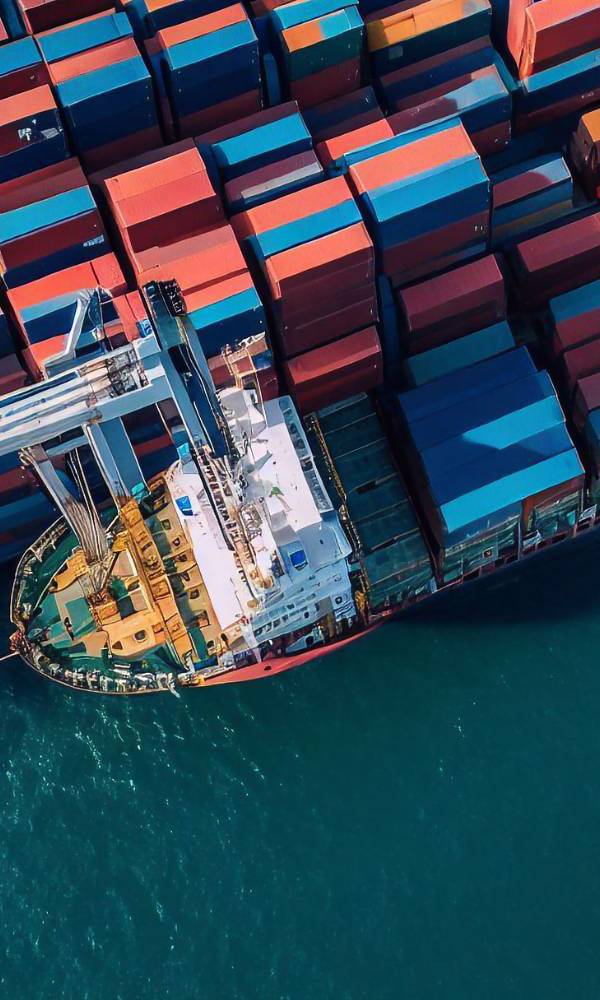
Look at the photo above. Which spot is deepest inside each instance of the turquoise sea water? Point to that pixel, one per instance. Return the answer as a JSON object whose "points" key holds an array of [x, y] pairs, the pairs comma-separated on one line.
{"points": [[415, 817]]}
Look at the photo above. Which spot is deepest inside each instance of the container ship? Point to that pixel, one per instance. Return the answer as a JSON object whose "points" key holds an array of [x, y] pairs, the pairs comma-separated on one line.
{"points": [[299, 320]]}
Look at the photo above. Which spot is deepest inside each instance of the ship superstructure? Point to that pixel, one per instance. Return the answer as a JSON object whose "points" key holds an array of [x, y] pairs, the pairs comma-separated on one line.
{"points": [[235, 552]]}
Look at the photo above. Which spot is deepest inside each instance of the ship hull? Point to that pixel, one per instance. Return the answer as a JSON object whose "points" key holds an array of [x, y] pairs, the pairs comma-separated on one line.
{"points": [[273, 665]]}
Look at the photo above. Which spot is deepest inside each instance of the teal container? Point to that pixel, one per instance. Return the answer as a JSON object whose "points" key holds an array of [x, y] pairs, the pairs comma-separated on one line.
{"points": [[461, 353]]}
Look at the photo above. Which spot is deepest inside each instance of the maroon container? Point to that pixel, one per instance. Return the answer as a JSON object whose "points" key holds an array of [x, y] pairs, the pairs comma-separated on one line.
{"points": [[425, 252], [450, 305], [557, 261], [332, 373], [327, 84], [586, 399], [347, 319], [40, 184], [52, 239], [580, 362], [12, 377]]}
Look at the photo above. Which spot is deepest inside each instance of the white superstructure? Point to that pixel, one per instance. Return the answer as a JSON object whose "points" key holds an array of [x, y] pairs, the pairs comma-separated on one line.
{"points": [[268, 542]]}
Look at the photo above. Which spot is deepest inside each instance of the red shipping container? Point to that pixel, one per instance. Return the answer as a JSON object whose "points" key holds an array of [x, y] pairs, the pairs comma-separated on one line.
{"points": [[103, 272], [311, 312], [198, 27], [145, 159], [553, 32], [332, 373], [333, 149], [164, 202], [291, 207], [424, 154], [294, 268], [94, 59], [195, 270], [450, 305], [486, 141], [50, 240], [25, 78], [199, 298]]}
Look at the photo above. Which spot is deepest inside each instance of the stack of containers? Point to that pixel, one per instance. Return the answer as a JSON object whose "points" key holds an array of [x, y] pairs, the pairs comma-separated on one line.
{"points": [[21, 68], [320, 48], [544, 33], [344, 114], [528, 196], [316, 261], [334, 153], [50, 221], [40, 15], [442, 309], [491, 460], [336, 371], [560, 92], [25, 511], [42, 310], [207, 71], [413, 30], [433, 59], [394, 559], [31, 133], [171, 224], [261, 157], [585, 152], [103, 87], [480, 96], [148, 17], [47, 325], [556, 261], [574, 325], [425, 198]]}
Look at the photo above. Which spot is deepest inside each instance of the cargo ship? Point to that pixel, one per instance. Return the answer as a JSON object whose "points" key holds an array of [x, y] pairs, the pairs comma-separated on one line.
{"points": [[308, 333]]}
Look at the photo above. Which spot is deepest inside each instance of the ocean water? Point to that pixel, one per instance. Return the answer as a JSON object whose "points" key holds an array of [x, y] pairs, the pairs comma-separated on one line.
{"points": [[415, 817]]}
